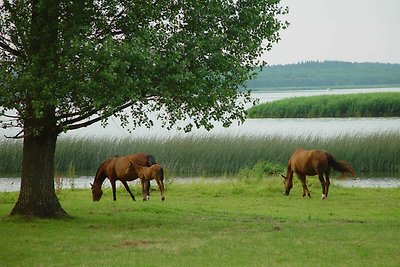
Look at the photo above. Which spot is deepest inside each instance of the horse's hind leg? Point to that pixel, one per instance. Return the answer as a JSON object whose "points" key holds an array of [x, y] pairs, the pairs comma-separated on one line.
{"points": [[323, 185], [148, 190], [161, 187], [327, 183], [128, 189]]}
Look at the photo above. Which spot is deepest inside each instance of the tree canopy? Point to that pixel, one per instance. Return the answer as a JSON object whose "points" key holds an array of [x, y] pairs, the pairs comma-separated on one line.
{"points": [[68, 64], [91, 59]]}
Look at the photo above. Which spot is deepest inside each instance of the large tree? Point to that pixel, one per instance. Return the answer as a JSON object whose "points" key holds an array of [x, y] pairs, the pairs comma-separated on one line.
{"points": [[68, 64]]}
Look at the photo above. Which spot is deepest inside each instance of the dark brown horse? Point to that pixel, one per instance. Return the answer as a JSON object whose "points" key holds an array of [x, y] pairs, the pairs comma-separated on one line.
{"points": [[146, 174], [114, 169], [313, 162]]}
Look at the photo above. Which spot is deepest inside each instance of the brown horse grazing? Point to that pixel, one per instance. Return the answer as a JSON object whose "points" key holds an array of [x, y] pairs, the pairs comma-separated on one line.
{"points": [[114, 169], [313, 162], [146, 174]]}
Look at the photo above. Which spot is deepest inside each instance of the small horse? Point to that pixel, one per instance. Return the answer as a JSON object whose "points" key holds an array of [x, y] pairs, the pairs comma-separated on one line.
{"points": [[114, 169], [146, 174], [313, 162]]}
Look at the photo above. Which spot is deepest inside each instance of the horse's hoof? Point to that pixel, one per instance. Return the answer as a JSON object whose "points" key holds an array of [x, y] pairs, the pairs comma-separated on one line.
{"points": [[323, 196], [163, 198], [309, 195]]}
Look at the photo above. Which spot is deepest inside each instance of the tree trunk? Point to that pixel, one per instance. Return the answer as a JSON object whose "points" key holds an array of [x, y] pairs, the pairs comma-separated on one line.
{"points": [[37, 196]]}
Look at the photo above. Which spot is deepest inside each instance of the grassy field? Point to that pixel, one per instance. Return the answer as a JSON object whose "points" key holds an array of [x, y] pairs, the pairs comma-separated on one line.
{"points": [[202, 224], [214, 156], [337, 106]]}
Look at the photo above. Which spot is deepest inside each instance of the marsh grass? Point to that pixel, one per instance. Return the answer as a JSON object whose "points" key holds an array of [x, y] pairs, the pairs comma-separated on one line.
{"points": [[231, 223], [216, 156], [336, 106]]}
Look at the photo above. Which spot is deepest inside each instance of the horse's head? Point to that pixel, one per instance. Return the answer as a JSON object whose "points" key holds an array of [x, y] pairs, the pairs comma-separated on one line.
{"points": [[288, 182], [97, 192]]}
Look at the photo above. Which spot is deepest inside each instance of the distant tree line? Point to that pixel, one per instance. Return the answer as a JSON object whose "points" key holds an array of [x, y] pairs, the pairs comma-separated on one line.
{"points": [[326, 74]]}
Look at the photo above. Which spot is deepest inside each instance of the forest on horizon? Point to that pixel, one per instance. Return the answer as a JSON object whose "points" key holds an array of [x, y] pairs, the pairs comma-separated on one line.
{"points": [[326, 74]]}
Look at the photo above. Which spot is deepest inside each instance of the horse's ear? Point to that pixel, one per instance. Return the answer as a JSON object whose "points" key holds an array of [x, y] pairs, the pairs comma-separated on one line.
{"points": [[284, 177]]}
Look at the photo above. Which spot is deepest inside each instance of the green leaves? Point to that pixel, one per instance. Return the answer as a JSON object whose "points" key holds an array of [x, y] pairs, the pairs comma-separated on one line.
{"points": [[180, 59]]}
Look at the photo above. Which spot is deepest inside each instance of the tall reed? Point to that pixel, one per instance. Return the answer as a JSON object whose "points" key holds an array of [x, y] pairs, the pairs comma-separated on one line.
{"points": [[352, 105], [208, 156]]}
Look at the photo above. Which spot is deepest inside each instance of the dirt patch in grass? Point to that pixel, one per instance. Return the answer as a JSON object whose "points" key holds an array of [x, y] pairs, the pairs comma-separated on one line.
{"points": [[143, 244]]}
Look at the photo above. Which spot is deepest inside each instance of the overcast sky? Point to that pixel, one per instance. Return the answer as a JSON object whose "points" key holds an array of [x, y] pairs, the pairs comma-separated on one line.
{"points": [[345, 30]]}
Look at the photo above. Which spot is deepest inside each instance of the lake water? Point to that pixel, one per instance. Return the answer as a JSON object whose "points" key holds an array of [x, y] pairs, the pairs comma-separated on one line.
{"points": [[13, 184], [257, 127], [322, 127], [261, 127]]}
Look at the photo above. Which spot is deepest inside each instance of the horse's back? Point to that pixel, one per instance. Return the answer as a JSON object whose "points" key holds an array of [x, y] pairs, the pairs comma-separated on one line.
{"points": [[116, 167], [157, 170], [142, 159], [309, 162], [156, 167]]}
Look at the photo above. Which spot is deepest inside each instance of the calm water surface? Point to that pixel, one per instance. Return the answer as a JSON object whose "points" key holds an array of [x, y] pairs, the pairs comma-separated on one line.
{"points": [[321, 127], [257, 127], [13, 184]]}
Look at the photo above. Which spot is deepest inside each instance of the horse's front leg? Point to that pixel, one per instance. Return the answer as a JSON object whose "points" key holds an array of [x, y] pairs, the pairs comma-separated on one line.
{"points": [[128, 189], [302, 179], [161, 187], [114, 191]]}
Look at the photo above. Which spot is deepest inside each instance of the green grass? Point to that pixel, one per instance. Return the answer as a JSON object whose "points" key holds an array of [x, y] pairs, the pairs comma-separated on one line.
{"points": [[215, 156], [203, 224], [337, 106]]}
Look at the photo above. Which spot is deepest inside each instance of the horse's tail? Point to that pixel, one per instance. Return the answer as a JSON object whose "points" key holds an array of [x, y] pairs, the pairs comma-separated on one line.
{"points": [[162, 173], [151, 160], [341, 165]]}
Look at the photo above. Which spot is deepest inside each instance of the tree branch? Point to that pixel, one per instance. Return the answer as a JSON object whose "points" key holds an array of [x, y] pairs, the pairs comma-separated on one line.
{"points": [[7, 48], [108, 30], [77, 116], [70, 124], [11, 116], [17, 136]]}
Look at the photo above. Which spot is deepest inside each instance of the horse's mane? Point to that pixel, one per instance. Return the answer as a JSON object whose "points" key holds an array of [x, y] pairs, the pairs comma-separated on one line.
{"points": [[100, 168]]}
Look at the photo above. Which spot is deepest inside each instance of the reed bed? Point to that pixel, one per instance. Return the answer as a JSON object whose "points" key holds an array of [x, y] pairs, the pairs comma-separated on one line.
{"points": [[337, 106], [215, 156]]}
